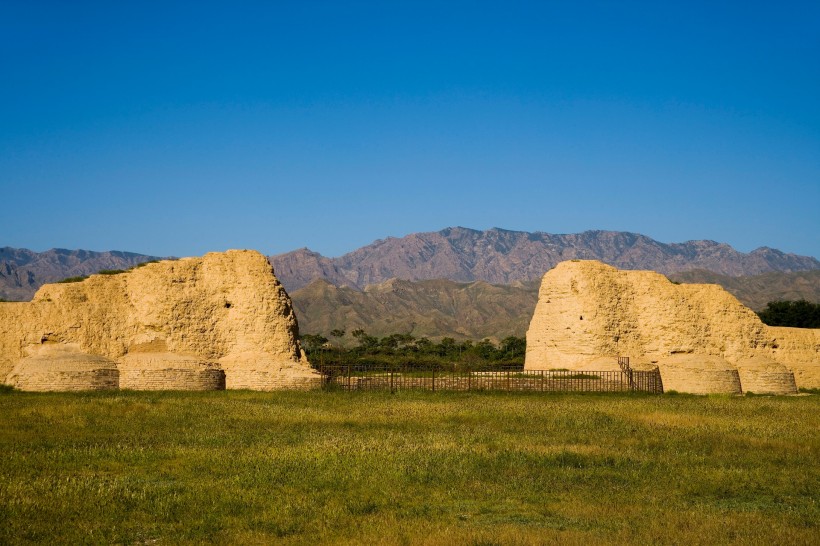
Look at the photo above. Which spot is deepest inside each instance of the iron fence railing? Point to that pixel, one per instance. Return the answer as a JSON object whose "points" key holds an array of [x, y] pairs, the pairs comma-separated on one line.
{"points": [[395, 378]]}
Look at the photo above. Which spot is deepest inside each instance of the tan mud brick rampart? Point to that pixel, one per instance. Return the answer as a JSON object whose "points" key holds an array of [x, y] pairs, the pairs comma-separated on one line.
{"points": [[762, 375], [209, 308], [699, 374], [258, 372], [168, 371], [64, 368], [587, 310]]}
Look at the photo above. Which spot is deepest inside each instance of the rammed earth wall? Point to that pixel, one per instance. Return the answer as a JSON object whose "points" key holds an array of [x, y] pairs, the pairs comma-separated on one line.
{"points": [[222, 307], [587, 310]]}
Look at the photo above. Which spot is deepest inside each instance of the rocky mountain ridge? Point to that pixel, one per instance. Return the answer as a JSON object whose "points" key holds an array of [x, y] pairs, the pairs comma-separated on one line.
{"points": [[495, 256], [501, 256], [23, 271]]}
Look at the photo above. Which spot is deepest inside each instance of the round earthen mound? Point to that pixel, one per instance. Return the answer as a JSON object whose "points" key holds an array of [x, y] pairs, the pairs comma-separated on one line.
{"points": [[762, 375], [698, 374], [263, 372], [169, 371], [64, 370]]}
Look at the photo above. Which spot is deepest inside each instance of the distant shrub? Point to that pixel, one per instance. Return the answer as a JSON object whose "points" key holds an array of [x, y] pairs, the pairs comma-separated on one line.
{"points": [[74, 279], [5, 389], [107, 272]]}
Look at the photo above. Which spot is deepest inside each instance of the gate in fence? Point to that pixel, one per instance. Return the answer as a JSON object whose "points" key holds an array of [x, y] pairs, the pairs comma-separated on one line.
{"points": [[395, 378]]}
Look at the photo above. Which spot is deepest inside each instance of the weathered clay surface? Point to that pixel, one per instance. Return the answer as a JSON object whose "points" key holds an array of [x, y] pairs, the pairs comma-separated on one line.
{"points": [[169, 371], [210, 308], [762, 375], [262, 373], [699, 374], [586, 310], [63, 367]]}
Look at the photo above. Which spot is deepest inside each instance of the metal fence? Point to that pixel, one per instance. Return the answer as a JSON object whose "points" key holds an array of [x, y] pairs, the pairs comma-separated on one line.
{"points": [[395, 378]]}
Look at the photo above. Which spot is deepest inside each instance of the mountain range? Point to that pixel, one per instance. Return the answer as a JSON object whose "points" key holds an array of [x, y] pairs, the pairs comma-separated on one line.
{"points": [[23, 271], [456, 282], [500, 256]]}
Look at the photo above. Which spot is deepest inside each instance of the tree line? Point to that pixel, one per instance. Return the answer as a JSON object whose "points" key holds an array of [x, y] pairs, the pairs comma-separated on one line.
{"points": [[409, 351], [796, 314]]}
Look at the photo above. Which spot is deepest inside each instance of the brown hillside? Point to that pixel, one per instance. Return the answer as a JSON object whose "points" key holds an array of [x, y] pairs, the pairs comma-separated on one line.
{"points": [[433, 308], [757, 290]]}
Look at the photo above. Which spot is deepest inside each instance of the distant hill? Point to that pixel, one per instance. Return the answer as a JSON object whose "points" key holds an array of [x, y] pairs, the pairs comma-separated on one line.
{"points": [[433, 308], [476, 310], [23, 271], [500, 256], [758, 290]]}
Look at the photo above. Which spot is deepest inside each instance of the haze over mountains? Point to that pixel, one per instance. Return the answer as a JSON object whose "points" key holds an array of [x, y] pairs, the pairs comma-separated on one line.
{"points": [[500, 256]]}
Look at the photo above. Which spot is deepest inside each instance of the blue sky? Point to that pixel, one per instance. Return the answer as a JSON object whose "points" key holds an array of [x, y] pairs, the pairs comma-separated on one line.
{"points": [[179, 128]]}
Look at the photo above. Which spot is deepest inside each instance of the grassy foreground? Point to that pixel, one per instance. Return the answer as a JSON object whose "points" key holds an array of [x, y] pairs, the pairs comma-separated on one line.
{"points": [[409, 468]]}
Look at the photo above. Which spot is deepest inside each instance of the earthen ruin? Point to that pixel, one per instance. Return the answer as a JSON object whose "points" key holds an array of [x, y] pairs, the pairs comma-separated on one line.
{"points": [[699, 336], [222, 320]]}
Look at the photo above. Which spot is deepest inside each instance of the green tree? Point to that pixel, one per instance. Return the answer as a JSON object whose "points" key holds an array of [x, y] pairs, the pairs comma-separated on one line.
{"points": [[366, 342], [796, 314], [512, 347], [485, 349], [447, 347], [313, 342], [424, 345]]}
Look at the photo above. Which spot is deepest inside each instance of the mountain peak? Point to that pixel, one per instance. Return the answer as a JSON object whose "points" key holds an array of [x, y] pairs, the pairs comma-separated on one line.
{"points": [[501, 256]]}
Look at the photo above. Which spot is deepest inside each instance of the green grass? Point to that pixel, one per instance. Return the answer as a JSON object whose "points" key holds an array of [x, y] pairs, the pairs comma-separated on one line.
{"points": [[414, 467]]}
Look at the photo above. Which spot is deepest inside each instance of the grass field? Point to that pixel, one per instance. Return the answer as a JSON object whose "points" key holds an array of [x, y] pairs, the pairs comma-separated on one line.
{"points": [[409, 468]]}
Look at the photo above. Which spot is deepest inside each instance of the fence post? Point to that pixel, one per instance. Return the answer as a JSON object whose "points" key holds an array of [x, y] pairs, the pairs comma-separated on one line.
{"points": [[434, 380], [348, 377], [392, 390]]}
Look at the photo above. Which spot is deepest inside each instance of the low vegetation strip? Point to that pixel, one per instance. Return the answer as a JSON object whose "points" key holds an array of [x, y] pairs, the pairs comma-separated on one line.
{"points": [[413, 467]]}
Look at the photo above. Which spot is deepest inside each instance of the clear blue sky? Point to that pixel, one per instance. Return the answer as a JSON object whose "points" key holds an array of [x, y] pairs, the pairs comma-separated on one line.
{"points": [[179, 128]]}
